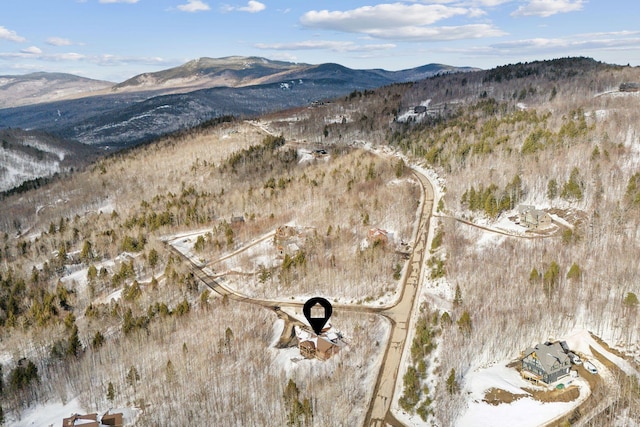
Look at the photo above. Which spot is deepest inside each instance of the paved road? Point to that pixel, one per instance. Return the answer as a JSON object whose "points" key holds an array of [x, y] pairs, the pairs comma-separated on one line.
{"points": [[379, 413], [399, 313]]}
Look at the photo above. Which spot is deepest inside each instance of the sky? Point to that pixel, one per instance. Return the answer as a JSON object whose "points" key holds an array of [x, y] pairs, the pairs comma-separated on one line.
{"points": [[116, 39]]}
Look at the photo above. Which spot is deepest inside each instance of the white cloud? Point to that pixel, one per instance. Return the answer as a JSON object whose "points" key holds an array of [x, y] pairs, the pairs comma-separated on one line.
{"points": [[12, 36], [111, 60], [389, 16], [32, 50], [336, 46], [546, 8], [252, 7], [35, 53], [102, 60], [59, 41], [194, 6], [461, 32], [599, 41], [490, 3], [570, 45], [403, 22], [119, 1]]}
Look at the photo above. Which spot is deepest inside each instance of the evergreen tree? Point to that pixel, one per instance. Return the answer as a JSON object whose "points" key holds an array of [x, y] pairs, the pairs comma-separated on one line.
{"points": [[62, 253], [74, 346], [534, 276], [86, 253], [291, 392], [153, 258], [445, 319], [92, 273], [133, 377], [464, 323], [572, 189], [631, 300], [550, 278], [552, 189], [62, 226], [574, 272], [457, 299], [111, 392], [97, 341], [452, 384], [170, 372], [228, 336]]}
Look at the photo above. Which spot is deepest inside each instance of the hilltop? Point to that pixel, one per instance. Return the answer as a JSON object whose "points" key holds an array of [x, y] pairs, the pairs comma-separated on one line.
{"points": [[42, 87]]}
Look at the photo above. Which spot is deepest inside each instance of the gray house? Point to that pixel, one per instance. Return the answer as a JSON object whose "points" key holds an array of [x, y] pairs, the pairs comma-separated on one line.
{"points": [[533, 218], [545, 363]]}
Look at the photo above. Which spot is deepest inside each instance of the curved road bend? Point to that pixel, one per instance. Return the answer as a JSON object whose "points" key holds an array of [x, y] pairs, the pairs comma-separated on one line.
{"points": [[399, 314]]}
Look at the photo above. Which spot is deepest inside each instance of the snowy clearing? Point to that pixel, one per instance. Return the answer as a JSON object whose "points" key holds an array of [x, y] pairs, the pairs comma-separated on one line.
{"points": [[524, 412]]}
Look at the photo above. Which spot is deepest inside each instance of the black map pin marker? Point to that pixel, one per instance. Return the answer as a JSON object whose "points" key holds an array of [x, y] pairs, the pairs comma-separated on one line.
{"points": [[317, 311]]}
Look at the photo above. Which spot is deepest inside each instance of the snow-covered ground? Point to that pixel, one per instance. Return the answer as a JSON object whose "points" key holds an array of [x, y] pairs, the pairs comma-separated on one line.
{"points": [[580, 341], [505, 224], [364, 369], [411, 113], [51, 414], [527, 411], [560, 220], [15, 168], [524, 412]]}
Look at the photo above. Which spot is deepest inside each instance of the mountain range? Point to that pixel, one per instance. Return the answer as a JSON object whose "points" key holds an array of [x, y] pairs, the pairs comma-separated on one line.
{"points": [[151, 104], [111, 116]]}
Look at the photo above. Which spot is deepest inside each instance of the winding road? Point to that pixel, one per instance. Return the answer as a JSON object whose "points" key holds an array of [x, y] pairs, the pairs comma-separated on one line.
{"points": [[398, 313]]}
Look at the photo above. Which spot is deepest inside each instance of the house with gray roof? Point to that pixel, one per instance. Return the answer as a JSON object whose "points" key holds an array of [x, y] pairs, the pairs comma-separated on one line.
{"points": [[533, 218], [545, 363]]}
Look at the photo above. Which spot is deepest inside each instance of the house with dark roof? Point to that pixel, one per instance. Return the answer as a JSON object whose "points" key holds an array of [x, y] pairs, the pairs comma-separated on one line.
{"points": [[545, 363]]}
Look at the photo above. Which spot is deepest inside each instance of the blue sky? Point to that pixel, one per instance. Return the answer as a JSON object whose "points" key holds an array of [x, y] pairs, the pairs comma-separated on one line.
{"points": [[117, 39]]}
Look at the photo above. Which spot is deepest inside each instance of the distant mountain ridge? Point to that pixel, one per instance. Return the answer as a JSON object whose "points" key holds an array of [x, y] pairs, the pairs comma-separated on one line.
{"points": [[36, 88], [233, 71], [151, 104], [240, 71]]}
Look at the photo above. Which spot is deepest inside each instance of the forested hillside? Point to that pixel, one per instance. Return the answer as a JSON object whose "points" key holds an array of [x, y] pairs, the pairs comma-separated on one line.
{"points": [[95, 305], [554, 134]]}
